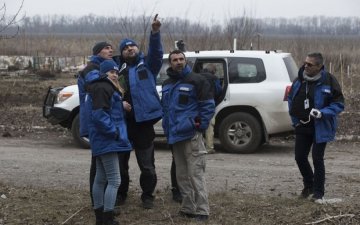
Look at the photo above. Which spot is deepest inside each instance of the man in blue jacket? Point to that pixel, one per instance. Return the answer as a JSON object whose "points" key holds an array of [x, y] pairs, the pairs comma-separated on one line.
{"points": [[314, 102], [138, 79], [188, 106]]}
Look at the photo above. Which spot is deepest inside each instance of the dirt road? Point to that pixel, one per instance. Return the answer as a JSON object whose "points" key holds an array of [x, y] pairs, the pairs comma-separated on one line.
{"points": [[54, 162]]}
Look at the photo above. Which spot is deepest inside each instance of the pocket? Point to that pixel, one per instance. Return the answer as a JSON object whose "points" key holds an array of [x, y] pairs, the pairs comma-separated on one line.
{"points": [[142, 74], [184, 95], [183, 99], [197, 145]]}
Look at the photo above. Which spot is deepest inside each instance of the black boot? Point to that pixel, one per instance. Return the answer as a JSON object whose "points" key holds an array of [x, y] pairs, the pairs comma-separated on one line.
{"points": [[108, 218], [99, 216]]}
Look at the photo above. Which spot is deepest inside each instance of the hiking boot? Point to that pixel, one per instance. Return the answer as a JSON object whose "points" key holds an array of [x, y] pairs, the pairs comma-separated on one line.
{"points": [[120, 200], [187, 215], [148, 203], [306, 192], [201, 217]]}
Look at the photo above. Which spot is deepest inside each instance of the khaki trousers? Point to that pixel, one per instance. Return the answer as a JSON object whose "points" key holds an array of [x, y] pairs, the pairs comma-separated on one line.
{"points": [[190, 161], [209, 135]]}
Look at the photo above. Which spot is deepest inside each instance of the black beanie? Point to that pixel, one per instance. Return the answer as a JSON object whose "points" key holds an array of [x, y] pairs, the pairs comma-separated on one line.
{"points": [[99, 46]]}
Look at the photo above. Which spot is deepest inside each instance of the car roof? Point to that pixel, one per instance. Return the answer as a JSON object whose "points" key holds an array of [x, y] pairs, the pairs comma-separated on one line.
{"points": [[232, 53]]}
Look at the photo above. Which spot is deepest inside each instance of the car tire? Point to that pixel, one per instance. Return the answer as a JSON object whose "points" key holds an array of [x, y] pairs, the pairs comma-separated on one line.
{"points": [[75, 130], [240, 133]]}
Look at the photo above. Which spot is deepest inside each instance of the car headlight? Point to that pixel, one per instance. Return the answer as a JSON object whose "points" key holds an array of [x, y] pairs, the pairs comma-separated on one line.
{"points": [[63, 95]]}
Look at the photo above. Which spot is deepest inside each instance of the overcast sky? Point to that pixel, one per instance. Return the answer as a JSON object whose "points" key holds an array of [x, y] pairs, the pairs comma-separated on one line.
{"points": [[195, 10]]}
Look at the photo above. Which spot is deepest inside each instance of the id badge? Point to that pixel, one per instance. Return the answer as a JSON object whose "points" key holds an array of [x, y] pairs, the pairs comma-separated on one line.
{"points": [[306, 104]]}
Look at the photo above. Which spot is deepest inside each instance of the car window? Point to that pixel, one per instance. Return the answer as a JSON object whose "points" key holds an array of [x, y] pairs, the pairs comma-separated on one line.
{"points": [[218, 64], [161, 77], [246, 70], [291, 68]]}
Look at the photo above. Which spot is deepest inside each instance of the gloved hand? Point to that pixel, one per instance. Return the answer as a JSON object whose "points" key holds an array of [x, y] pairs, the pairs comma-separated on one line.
{"points": [[315, 113]]}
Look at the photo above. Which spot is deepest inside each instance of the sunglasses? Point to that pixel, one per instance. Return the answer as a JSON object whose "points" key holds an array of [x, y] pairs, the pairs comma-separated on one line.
{"points": [[309, 64]]}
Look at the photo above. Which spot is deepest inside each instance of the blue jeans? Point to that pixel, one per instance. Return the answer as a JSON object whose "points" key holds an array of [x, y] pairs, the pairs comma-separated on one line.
{"points": [[107, 172], [305, 140]]}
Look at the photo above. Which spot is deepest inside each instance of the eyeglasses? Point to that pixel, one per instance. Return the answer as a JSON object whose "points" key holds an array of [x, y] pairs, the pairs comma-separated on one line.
{"points": [[309, 64]]}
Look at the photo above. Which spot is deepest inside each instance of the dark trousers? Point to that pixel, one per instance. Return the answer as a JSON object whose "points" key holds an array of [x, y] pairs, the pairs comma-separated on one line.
{"points": [[92, 177], [174, 185], [141, 136], [305, 140]]}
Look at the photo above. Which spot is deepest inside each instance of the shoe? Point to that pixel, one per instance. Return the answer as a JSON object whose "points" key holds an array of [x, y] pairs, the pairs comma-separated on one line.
{"points": [[117, 211], [120, 200], [187, 215], [318, 199], [176, 196], [148, 203], [109, 218], [210, 151], [201, 217], [306, 192]]}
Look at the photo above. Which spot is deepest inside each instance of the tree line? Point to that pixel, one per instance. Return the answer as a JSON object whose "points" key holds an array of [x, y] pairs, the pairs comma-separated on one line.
{"points": [[92, 24]]}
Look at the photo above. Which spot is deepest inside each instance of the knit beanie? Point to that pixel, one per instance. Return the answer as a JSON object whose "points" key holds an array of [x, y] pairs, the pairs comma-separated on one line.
{"points": [[99, 46], [125, 42], [108, 65]]}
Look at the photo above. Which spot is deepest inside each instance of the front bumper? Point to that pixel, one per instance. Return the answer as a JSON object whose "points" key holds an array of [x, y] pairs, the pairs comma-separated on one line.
{"points": [[54, 115]]}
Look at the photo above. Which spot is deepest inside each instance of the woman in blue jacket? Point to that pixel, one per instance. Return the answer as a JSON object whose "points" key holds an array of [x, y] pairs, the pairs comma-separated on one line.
{"points": [[108, 137], [314, 101]]}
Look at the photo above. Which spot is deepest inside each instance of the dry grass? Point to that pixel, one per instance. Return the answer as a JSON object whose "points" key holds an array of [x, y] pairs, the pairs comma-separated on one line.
{"points": [[25, 205]]}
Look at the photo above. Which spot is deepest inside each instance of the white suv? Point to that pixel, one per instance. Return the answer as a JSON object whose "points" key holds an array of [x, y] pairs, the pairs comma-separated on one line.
{"points": [[253, 106]]}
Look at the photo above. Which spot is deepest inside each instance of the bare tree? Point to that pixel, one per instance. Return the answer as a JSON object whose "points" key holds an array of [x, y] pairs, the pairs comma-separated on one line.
{"points": [[6, 23], [242, 28]]}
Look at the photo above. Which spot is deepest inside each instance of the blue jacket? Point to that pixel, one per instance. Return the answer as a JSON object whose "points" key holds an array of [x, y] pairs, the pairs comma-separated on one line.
{"points": [[186, 98], [107, 126], [142, 74], [94, 64], [328, 98]]}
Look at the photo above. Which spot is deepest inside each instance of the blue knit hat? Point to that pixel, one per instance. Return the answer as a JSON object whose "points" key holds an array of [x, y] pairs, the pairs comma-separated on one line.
{"points": [[125, 42], [108, 65]]}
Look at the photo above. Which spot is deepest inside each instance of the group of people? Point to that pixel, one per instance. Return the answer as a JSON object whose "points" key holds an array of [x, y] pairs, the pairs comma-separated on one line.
{"points": [[119, 105]]}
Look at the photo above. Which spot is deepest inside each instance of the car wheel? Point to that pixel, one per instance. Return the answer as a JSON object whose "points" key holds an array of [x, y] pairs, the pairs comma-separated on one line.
{"points": [[83, 142], [240, 133]]}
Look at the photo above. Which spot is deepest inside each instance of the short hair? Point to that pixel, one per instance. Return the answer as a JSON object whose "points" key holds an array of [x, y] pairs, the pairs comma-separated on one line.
{"points": [[211, 68], [176, 51], [317, 56]]}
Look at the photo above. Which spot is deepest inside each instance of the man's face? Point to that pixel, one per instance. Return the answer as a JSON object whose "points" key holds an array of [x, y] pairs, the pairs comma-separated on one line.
{"points": [[130, 52], [177, 62], [106, 53], [311, 66]]}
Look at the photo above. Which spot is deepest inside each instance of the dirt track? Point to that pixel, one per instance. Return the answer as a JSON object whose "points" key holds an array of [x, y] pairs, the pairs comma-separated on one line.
{"points": [[53, 161]]}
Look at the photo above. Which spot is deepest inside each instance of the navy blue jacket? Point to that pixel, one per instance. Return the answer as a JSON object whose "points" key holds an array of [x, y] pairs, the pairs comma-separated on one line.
{"points": [[142, 74], [328, 98], [107, 126], [94, 64], [186, 98]]}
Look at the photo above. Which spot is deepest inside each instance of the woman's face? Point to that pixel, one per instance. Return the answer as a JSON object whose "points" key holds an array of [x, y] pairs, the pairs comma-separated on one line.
{"points": [[113, 75]]}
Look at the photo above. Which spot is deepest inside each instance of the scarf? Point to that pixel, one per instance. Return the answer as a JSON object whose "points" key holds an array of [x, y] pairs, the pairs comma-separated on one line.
{"points": [[311, 79]]}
